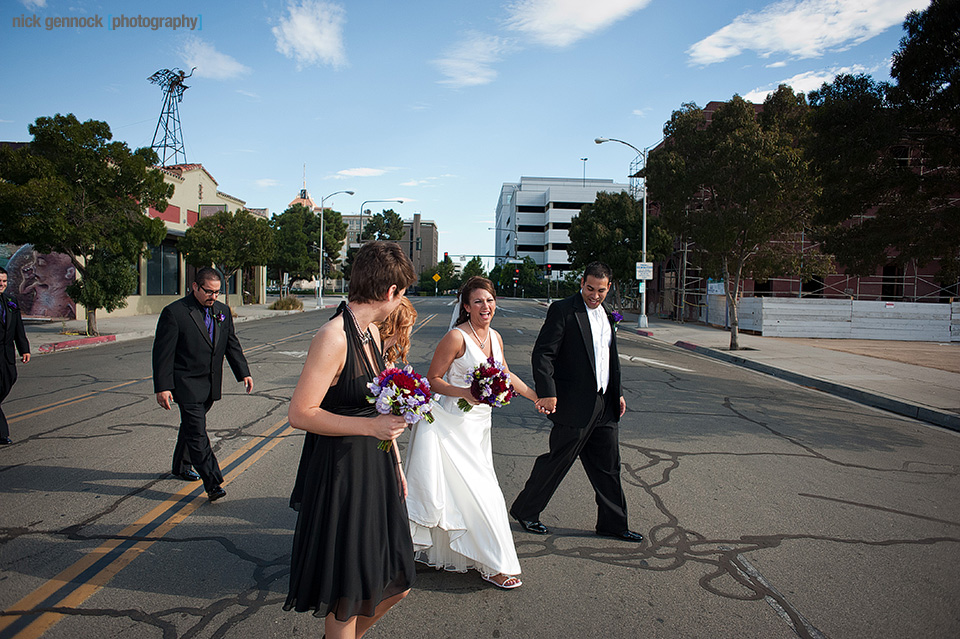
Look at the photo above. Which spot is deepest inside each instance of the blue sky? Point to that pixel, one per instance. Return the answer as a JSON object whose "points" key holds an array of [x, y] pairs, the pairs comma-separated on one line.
{"points": [[435, 102]]}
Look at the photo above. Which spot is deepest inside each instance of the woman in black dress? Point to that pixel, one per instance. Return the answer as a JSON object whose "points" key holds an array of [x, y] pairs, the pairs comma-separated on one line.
{"points": [[352, 554]]}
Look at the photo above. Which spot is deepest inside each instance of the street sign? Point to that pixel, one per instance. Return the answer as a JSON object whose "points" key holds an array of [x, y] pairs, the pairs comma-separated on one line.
{"points": [[715, 288], [436, 277], [643, 285], [644, 270]]}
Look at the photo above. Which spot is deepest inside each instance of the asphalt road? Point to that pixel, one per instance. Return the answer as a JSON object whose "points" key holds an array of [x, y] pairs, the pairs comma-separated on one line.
{"points": [[770, 510]]}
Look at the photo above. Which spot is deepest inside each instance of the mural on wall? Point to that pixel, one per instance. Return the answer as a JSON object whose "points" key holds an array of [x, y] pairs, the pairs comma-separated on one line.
{"points": [[39, 281]]}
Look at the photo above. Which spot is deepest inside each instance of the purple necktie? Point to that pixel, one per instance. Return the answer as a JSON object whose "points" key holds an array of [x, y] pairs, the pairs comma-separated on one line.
{"points": [[208, 320]]}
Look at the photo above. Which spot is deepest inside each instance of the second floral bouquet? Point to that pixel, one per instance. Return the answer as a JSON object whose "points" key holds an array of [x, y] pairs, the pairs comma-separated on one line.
{"points": [[489, 384]]}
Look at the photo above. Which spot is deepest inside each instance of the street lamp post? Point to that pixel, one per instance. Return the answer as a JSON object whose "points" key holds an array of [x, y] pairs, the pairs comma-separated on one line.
{"points": [[364, 203], [642, 319], [320, 287]]}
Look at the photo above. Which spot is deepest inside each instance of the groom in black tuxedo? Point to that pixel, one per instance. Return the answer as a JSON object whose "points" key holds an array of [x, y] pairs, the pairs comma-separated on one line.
{"points": [[193, 336], [11, 334], [577, 374]]}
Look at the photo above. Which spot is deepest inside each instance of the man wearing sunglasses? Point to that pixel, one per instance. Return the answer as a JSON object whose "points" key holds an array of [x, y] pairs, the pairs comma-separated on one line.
{"points": [[193, 336]]}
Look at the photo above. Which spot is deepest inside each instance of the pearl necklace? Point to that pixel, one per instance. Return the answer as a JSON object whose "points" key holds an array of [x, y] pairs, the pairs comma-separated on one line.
{"points": [[365, 338], [476, 337]]}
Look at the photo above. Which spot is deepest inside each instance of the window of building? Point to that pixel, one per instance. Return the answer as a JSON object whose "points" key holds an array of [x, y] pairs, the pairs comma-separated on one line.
{"points": [[814, 287], [763, 289], [568, 205], [892, 287], [532, 209], [561, 226], [163, 270], [529, 229], [530, 248]]}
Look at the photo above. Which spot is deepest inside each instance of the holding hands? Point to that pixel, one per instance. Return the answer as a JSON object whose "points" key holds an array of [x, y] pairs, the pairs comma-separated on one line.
{"points": [[546, 405]]}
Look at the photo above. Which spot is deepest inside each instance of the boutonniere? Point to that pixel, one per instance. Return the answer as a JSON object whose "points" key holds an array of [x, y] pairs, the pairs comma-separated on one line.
{"points": [[12, 303], [220, 317], [617, 318]]}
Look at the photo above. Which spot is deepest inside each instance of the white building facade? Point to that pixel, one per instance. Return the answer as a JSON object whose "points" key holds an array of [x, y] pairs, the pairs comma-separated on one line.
{"points": [[534, 214]]}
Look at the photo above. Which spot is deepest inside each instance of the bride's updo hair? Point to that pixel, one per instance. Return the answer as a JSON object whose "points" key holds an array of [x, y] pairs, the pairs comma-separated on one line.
{"points": [[463, 297]]}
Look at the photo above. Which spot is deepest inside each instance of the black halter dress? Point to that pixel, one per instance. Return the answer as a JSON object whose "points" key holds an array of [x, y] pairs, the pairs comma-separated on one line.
{"points": [[352, 546]]}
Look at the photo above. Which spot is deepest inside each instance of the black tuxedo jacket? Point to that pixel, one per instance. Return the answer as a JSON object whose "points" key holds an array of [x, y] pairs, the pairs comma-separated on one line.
{"points": [[185, 361], [12, 332], [564, 365]]}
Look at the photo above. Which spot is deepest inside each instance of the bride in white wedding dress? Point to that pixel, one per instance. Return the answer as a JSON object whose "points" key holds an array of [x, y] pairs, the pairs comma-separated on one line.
{"points": [[458, 519]]}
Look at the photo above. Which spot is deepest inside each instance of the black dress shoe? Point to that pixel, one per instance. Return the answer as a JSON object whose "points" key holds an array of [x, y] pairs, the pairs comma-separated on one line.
{"points": [[535, 527], [188, 475], [5, 441], [626, 535], [216, 493]]}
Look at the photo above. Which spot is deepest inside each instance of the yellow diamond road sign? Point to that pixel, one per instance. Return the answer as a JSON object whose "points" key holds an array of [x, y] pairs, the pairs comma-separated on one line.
{"points": [[436, 277]]}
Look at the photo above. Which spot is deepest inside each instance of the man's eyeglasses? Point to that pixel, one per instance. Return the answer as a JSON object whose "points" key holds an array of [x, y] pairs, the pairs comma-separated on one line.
{"points": [[210, 292]]}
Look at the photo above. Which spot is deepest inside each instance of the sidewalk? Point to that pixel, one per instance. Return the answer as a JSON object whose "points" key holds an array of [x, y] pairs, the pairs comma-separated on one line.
{"points": [[916, 379], [50, 337]]}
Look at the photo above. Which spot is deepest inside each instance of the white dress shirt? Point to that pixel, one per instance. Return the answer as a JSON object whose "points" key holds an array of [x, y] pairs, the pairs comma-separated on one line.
{"points": [[600, 329]]}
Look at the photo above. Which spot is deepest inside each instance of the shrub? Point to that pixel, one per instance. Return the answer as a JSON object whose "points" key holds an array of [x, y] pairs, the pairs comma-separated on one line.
{"points": [[288, 303]]}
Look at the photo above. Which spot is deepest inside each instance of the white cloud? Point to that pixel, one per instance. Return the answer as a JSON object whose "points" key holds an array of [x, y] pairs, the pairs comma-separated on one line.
{"points": [[470, 63], [805, 82], [210, 63], [249, 94], [803, 28], [358, 172], [641, 113], [264, 183], [312, 33], [34, 4], [560, 23], [424, 182]]}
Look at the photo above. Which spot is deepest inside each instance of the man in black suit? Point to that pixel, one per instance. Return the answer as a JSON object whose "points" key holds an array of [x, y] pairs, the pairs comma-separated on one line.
{"points": [[577, 374], [193, 335], [11, 333]]}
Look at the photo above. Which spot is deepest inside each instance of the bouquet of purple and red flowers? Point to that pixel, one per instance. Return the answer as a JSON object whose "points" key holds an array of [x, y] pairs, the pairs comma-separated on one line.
{"points": [[401, 392], [489, 384]]}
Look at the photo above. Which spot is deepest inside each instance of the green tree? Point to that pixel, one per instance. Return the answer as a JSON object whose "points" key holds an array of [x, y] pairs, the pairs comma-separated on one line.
{"points": [[739, 189], [348, 262], [448, 274], [296, 232], [889, 156], [611, 231], [73, 191], [494, 276], [228, 241], [387, 225], [473, 268], [334, 233]]}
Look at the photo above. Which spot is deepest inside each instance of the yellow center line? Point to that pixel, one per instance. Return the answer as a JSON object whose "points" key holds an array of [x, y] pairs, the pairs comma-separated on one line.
{"points": [[77, 583]]}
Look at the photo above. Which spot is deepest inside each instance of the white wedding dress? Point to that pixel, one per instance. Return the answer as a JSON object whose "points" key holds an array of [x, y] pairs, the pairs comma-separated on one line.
{"points": [[458, 519]]}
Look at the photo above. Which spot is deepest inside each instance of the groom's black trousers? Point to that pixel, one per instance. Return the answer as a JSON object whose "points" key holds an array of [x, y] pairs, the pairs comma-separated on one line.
{"points": [[598, 447], [193, 445]]}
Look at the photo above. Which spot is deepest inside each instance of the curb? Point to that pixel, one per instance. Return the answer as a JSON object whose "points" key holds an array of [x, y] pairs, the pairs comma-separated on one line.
{"points": [[76, 343], [899, 407]]}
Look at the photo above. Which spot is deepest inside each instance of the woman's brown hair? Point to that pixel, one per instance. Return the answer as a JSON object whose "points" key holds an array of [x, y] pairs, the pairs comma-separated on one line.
{"points": [[471, 285], [376, 267]]}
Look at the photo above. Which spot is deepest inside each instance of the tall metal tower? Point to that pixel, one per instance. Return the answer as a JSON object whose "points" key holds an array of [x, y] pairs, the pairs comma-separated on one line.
{"points": [[170, 146]]}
